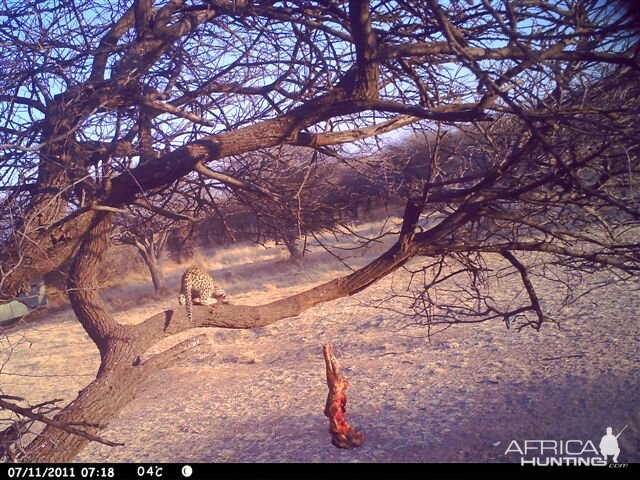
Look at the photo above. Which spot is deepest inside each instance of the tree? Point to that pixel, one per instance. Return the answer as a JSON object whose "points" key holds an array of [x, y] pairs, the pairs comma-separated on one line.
{"points": [[149, 236], [289, 193], [111, 102]]}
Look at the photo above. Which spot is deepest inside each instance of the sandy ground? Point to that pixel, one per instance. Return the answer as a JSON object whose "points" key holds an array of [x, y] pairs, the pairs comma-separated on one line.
{"points": [[258, 396]]}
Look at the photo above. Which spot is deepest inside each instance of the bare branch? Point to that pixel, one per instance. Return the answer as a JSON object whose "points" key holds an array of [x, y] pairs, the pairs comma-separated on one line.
{"points": [[27, 412], [533, 296]]}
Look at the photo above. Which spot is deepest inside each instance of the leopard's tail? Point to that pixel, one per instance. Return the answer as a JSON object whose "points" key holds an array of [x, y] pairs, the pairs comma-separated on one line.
{"points": [[187, 285]]}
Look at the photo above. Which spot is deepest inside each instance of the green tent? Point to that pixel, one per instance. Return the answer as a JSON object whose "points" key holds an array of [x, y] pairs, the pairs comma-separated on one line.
{"points": [[37, 297]]}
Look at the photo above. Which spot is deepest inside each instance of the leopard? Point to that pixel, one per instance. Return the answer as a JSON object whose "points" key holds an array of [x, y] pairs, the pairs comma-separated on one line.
{"points": [[200, 288]]}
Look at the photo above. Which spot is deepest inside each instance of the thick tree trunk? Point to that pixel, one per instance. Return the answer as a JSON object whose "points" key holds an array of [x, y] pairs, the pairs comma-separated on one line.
{"points": [[156, 276], [117, 379], [96, 405], [291, 242]]}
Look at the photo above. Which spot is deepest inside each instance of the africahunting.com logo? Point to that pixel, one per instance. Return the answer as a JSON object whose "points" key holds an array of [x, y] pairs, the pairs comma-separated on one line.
{"points": [[546, 453]]}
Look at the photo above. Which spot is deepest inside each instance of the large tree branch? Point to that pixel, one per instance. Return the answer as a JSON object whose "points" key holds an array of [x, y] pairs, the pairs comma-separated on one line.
{"points": [[108, 44], [83, 285], [168, 108], [171, 322], [625, 260], [441, 52], [161, 171], [30, 102], [367, 73], [336, 138], [283, 129]]}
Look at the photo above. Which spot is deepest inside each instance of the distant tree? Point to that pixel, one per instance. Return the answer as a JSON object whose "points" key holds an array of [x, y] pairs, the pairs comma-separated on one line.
{"points": [[284, 194], [148, 232]]}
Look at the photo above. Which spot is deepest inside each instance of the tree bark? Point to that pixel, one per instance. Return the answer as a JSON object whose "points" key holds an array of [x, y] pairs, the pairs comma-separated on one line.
{"points": [[96, 405], [116, 381]]}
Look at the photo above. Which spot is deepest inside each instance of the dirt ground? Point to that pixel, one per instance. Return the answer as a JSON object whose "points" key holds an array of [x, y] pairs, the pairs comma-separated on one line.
{"points": [[258, 396]]}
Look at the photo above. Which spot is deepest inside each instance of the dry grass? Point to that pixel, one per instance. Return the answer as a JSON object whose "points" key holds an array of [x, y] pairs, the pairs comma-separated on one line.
{"points": [[258, 395], [245, 267]]}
